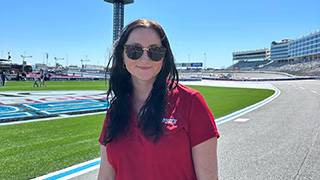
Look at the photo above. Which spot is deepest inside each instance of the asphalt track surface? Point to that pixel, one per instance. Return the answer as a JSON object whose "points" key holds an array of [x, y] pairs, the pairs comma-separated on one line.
{"points": [[280, 140]]}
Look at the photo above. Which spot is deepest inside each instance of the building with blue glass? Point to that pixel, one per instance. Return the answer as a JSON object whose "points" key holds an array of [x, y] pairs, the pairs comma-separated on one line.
{"points": [[305, 48], [279, 50]]}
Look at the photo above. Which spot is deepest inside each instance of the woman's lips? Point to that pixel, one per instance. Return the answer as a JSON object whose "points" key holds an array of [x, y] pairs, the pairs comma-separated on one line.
{"points": [[144, 67]]}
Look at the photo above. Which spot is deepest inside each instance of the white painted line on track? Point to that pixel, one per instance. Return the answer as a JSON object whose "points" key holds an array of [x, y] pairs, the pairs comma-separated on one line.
{"points": [[241, 120], [30, 107], [91, 165], [315, 92], [248, 109]]}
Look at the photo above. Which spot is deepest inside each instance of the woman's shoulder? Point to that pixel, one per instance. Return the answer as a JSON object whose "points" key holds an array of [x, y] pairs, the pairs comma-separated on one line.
{"points": [[184, 90], [183, 93]]}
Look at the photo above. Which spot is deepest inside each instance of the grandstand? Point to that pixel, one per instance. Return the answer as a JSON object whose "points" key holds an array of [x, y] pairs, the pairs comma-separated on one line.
{"points": [[250, 60], [299, 56], [248, 65], [298, 67]]}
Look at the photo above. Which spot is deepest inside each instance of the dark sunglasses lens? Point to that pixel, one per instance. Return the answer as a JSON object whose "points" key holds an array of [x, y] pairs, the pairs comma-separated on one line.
{"points": [[134, 52], [156, 53]]}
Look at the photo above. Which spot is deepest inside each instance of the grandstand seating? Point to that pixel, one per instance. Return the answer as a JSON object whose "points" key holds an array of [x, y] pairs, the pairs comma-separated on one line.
{"points": [[301, 67], [296, 67], [248, 65]]}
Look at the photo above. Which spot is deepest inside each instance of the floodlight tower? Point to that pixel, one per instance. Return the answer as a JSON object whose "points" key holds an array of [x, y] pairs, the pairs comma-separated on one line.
{"points": [[56, 59], [24, 62], [118, 15], [24, 57]]}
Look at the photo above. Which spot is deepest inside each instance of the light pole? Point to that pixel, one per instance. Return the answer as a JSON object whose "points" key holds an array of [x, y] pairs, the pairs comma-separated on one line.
{"points": [[25, 57], [46, 57], [24, 62], [67, 59], [205, 60], [9, 55], [56, 59], [107, 56], [84, 60], [82, 65]]}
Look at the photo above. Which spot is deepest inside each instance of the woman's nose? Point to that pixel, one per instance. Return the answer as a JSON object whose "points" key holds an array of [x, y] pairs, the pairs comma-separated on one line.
{"points": [[145, 56]]}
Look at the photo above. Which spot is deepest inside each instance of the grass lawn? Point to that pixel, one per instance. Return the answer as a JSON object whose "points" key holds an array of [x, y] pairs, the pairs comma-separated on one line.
{"points": [[55, 85], [33, 149], [223, 101]]}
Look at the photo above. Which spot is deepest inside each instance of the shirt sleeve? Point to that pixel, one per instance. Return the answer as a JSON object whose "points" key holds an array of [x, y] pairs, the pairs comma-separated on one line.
{"points": [[201, 121], [103, 131]]}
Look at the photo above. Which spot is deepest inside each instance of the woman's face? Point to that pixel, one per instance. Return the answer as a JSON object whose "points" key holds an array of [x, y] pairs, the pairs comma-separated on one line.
{"points": [[143, 69]]}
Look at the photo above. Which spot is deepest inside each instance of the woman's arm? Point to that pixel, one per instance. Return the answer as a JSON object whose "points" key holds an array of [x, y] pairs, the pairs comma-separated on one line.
{"points": [[205, 159], [106, 171]]}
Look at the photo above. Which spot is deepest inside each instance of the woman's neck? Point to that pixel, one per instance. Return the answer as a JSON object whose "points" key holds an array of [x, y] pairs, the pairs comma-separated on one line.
{"points": [[141, 89]]}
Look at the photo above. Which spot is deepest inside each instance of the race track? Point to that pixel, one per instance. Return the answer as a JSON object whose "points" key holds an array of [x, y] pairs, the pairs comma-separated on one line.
{"points": [[281, 140]]}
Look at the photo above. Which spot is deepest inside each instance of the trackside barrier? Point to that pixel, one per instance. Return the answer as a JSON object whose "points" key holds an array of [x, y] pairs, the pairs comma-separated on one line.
{"points": [[265, 79]]}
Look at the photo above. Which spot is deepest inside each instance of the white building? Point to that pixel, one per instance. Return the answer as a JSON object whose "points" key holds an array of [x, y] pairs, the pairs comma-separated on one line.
{"points": [[279, 50], [252, 55]]}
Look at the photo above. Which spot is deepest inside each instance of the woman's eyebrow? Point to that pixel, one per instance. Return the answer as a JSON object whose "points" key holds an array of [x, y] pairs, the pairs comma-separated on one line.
{"points": [[138, 44], [154, 45], [135, 43]]}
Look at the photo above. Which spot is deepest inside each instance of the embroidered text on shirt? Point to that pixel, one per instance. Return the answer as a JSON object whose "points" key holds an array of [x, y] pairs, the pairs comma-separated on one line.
{"points": [[170, 123]]}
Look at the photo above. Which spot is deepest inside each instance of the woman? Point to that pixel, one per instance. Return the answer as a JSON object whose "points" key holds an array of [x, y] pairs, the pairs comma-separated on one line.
{"points": [[155, 128]]}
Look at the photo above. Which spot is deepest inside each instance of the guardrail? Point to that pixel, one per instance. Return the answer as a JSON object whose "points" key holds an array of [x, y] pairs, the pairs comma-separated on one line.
{"points": [[265, 79]]}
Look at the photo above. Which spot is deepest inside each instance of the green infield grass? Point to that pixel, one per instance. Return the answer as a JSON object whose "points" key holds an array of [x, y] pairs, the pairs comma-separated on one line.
{"points": [[55, 85], [34, 149], [223, 101]]}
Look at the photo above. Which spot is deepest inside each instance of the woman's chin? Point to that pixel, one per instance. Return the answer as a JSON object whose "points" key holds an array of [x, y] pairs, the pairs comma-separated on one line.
{"points": [[145, 78]]}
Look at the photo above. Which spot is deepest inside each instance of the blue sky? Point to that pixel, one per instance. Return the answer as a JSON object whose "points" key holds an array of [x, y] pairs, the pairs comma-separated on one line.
{"points": [[197, 30]]}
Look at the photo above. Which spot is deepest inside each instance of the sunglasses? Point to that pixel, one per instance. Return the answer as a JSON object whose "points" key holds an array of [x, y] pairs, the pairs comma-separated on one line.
{"points": [[154, 52]]}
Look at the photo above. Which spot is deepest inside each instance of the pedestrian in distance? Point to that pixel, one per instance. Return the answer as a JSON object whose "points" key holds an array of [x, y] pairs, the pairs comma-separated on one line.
{"points": [[24, 76], [18, 76], [2, 78], [42, 78], [36, 82], [37, 79], [155, 128], [1, 81]]}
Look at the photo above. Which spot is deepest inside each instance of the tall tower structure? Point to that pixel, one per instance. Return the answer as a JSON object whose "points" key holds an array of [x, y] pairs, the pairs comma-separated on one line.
{"points": [[118, 15]]}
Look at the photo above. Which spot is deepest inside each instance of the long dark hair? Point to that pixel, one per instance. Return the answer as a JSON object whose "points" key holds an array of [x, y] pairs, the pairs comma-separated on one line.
{"points": [[120, 88]]}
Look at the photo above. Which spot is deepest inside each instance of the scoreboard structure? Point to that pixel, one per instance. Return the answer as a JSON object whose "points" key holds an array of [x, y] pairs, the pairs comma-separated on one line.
{"points": [[118, 16]]}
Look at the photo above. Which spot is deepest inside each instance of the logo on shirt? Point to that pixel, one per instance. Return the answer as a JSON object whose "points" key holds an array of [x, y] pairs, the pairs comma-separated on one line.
{"points": [[170, 123]]}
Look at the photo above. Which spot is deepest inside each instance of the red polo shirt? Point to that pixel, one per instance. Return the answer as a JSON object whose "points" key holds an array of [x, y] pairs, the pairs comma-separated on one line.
{"points": [[188, 122]]}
